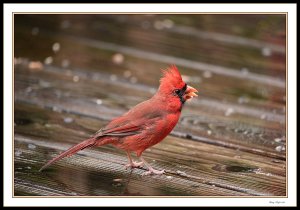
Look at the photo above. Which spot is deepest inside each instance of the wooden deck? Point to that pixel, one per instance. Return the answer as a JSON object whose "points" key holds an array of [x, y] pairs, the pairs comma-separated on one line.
{"points": [[74, 73]]}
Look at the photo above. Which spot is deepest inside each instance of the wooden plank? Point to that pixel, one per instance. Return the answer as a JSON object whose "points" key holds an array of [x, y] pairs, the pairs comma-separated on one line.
{"points": [[236, 129], [200, 163]]}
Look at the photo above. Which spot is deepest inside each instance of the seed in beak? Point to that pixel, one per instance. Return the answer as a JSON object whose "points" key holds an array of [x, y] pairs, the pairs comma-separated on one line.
{"points": [[190, 92]]}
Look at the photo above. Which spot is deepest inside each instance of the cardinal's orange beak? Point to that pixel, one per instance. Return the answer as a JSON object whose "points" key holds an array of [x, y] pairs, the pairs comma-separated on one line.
{"points": [[190, 92]]}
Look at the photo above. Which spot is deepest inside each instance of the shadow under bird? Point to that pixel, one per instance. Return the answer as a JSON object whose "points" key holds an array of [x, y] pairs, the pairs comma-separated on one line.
{"points": [[144, 125]]}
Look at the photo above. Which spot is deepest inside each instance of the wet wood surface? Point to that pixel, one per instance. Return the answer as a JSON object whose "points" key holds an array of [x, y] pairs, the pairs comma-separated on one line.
{"points": [[74, 73]]}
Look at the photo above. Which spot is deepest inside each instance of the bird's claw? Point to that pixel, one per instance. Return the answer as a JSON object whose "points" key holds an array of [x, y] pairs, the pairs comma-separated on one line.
{"points": [[134, 165], [153, 171]]}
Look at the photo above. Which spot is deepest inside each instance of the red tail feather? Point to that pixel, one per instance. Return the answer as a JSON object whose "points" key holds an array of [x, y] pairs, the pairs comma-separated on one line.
{"points": [[71, 151]]}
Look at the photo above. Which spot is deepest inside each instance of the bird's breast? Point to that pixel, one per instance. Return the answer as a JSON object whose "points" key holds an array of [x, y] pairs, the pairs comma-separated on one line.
{"points": [[152, 134]]}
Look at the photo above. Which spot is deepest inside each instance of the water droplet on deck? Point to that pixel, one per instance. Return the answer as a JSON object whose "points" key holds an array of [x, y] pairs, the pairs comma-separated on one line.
{"points": [[28, 89], [127, 74], [243, 99], [56, 109], [167, 23], [236, 130], [277, 140], [266, 51], [99, 101], [75, 78], [195, 122], [35, 66], [65, 63], [47, 125], [207, 74], [65, 24], [117, 180], [31, 146], [35, 31], [257, 171], [113, 77], [68, 119], [118, 58], [263, 116], [280, 148], [48, 60], [229, 111], [56, 47], [276, 161], [44, 84], [133, 80], [158, 25], [18, 153], [244, 71], [181, 173]]}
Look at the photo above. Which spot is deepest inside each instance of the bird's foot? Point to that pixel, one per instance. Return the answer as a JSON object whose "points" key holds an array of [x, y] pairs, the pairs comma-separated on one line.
{"points": [[153, 171], [134, 165]]}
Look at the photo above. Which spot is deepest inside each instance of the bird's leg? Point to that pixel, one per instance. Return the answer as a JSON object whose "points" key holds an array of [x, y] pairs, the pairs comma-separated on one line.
{"points": [[132, 164], [150, 169]]}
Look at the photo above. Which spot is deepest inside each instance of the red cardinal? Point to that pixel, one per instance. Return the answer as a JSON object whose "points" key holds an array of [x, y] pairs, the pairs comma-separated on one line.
{"points": [[144, 125]]}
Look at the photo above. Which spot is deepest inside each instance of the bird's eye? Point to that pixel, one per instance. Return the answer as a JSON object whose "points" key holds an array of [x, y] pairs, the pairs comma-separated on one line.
{"points": [[176, 92]]}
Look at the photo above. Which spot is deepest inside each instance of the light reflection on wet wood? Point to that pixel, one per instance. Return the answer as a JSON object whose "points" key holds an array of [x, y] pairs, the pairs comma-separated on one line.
{"points": [[229, 142]]}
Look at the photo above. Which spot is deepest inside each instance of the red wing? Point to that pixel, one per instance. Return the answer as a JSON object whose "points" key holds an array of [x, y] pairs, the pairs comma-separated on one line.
{"points": [[126, 128], [123, 129], [133, 122]]}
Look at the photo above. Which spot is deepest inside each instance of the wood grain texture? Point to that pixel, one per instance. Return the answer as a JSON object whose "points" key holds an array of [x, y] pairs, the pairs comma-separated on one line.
{"points": [[73, 74]]}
